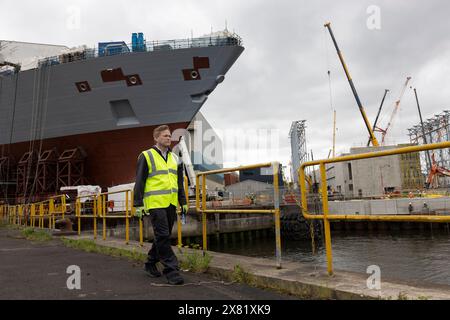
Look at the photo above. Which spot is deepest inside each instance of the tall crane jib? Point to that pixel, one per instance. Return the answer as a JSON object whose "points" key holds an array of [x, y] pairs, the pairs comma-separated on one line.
{"points": [[378, 113], [373, 139], [429, 163], [394, 111]]}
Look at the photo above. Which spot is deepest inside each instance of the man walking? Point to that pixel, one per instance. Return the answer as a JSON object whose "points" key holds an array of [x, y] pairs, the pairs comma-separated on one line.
{"points": [[158, 189]]}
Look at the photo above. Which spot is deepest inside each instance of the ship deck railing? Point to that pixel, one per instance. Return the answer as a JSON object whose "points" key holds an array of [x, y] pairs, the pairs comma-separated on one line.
{"points": [[149, 46]]}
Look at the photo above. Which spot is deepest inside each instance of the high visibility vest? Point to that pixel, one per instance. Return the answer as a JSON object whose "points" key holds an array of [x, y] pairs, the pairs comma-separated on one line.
{"points": [[161, 186]]}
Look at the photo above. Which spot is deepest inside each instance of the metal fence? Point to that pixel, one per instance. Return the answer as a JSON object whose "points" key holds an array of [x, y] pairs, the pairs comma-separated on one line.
{"points": [[163, 45], [204, 210], [327, 217], [90, 207], [40, 212]]}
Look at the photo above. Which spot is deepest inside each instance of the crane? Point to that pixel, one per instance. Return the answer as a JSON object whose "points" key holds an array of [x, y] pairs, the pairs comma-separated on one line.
{"points": [[186, 159], [182, 150], [394, 112], [435, 171], [423, 130], [373, 139], [334, 134], [378, 113], [432, 166]]}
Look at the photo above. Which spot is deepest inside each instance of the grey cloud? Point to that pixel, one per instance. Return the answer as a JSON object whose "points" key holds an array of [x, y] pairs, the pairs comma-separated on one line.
{"points": [[281, 76]]}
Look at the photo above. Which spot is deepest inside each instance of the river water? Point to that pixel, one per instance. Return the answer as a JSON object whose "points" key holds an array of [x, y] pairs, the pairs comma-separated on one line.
{"points": [[418, 257]]}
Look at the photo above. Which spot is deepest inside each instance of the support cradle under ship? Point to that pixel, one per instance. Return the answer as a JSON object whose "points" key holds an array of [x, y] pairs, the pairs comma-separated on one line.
{"points": [[76, 116]]}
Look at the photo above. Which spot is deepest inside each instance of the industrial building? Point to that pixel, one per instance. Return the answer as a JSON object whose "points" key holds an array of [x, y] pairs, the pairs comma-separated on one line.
{"points": [[261, 174], [203, 139], [435, 129], [376, 176], [230, 178], [249, 188]]}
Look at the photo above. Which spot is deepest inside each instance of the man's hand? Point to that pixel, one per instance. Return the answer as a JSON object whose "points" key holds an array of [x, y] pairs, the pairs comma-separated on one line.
{"points": [[184, 210], [140, 212]]}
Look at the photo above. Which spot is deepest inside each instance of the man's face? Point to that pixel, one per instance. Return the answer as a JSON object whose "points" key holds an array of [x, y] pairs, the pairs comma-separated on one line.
{"points": [[164, 138]]}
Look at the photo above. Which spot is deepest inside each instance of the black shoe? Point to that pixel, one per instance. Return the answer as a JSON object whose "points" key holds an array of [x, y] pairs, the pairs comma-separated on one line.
{"points": [[152, 270], [174, 278]]}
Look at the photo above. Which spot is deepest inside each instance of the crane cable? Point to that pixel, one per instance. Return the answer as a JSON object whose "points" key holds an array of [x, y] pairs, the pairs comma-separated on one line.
{"points": [[36, 83], [330, 91], [43, 104], [35, 115], [16, 82], [5, 186], [334, 114]]}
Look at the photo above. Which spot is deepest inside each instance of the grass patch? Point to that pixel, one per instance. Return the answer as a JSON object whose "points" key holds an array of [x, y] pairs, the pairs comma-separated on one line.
{"points": [[90, 246], [197, 262], [193, 246], [242, 276], [36, 235], [9, 226], [402, 296]]}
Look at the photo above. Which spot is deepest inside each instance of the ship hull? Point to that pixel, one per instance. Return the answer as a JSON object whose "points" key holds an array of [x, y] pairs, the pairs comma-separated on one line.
{"points": [[111, 156], [113, 120], [47, 102]]}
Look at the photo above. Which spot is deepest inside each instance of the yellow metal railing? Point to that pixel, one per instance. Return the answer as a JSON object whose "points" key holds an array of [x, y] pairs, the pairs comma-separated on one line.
{"points": [[46, 212], [205, 211], [26, 214], [82, 209], [93, 207], [98, 208], [326, 216], [179, 224], [3, 211]]}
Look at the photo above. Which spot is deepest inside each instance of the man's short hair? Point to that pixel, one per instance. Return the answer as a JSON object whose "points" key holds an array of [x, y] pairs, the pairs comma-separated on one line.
{"points": [[157, 131]]}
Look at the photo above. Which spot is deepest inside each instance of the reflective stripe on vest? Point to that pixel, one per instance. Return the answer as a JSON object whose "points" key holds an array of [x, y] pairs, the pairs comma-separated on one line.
{"points": [[161, 186], [158, 192], [153, 166]]}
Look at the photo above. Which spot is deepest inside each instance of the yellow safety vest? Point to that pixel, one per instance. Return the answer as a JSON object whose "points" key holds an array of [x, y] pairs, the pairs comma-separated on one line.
{"points": [[161, 186]]}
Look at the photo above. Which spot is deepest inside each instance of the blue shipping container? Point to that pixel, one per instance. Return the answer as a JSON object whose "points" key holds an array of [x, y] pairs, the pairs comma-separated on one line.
{"points": [[112, 48]]}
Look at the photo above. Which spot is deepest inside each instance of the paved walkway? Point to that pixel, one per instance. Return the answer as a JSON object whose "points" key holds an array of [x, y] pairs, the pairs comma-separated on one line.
{"points": [[301, 280], [32, 270]]}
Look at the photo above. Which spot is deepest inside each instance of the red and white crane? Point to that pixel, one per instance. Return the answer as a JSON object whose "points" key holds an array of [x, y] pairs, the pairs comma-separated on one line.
{"points": [[394, 112], [435, 171]]}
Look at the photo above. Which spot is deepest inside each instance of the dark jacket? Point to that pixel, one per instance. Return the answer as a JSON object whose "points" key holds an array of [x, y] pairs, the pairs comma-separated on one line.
{"points": [[141, 178]]}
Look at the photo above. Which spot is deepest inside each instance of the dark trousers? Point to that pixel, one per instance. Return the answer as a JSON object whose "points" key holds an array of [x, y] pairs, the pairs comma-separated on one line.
{"points": [[162, 221]]}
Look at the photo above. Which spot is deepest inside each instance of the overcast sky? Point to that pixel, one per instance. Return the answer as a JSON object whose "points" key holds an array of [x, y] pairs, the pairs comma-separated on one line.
{"points": [[282, 74]]}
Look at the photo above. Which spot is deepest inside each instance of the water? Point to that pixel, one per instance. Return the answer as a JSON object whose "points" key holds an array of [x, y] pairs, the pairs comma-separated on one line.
{"points": [[418, 257]]}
